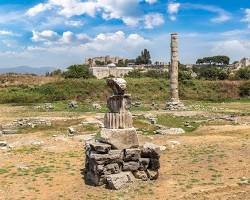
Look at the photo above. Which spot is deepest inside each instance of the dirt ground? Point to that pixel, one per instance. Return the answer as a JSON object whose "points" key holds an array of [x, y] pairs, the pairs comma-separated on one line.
{"points": [[211, 162]]}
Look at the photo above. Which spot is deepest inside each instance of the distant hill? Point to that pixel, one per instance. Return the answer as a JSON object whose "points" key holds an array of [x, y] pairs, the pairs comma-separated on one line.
{"points": [[26, 69]]}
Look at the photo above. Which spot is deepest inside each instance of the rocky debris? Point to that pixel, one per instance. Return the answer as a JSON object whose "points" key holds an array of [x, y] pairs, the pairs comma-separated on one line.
{"points": [[174, 143], [119, 181], [22, 167], [105, 165], [96, 106], [137, 104], [152, 120], [73, 105], [12, 128], [173, 106], [170, 131], [71, 131], [48, 107]]}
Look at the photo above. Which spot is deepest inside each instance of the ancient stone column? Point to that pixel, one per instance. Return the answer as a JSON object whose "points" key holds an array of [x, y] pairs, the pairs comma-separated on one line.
{"points": [[174, 102], [174, 93], [118, 123]]}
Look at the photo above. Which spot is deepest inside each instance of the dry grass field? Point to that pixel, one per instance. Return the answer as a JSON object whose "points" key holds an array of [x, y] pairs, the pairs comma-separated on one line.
{"points": [[210, 162]]}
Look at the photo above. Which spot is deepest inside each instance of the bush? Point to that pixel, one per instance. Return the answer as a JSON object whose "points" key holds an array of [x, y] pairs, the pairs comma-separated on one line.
{"points": [[243, 73], [212, 73], [245, 90], [78, 71]]}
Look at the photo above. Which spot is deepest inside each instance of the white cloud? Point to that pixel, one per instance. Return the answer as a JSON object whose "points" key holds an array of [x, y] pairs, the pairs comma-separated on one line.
{"points": [[173, 9], [127, 11], [46, 35], [151, 1], [6, 33], [247, 16], [234, 48], [152, 20], [38, 9], [74, 23]]}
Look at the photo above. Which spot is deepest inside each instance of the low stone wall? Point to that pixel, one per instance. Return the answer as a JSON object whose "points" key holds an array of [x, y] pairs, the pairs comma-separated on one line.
{"points": [[117, 168], [12, 128], [103, 72]]}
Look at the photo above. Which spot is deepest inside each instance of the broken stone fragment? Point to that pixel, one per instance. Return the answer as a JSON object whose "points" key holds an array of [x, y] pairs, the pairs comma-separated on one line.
{"points": [[144, 163], [71, 131], [119, 181], [3, 144], [100, 147], [131, 166], [152, 174], [114, 156], [132, 154], [141, 175]]}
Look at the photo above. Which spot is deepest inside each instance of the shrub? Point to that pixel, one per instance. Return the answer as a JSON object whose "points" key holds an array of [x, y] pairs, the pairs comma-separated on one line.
{"points": [[78, 71], [243, 73]]}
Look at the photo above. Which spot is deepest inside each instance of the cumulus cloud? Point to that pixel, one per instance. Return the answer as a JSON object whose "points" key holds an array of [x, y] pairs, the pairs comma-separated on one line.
{"points": [[173, 9], [46, 35], [127, 11], [152, 20], [247, 16]]}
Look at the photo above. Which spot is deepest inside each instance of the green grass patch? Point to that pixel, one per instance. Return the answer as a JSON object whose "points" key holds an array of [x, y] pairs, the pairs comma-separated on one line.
{"points": [[189, 124], [3, 171]]}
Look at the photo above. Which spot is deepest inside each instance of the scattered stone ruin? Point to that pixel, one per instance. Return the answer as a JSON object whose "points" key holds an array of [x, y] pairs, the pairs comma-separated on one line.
{"points": [[116, 159], [174, 102], [13, 127]]}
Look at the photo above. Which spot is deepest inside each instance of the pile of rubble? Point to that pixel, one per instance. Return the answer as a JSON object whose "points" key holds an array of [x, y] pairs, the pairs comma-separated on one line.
{"points": [[12, 128], [116, 168]]}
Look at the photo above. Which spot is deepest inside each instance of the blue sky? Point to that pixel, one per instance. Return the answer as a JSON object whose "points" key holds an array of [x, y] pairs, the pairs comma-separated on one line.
{"points": [[58, 33]]}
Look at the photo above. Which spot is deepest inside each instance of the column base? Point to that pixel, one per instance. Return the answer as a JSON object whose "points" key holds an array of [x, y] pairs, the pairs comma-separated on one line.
{"points": [[120, 138]]}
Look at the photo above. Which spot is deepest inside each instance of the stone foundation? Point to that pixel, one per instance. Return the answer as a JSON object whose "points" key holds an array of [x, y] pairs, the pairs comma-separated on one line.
{"points": [[117, 168], [175, 105]]}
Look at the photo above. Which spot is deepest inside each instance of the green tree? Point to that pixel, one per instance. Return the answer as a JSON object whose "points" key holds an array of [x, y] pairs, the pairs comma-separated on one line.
{"points": [[144, 58], [214, 60], [78, 71]]}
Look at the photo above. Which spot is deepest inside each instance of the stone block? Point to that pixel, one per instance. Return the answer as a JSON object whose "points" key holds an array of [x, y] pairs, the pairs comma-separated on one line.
{"points": [[114, 156], [113, 168], [94, 179], [154, 164], [119, 181], [152, 174], [144, 163], [131, 166], [141, 175], [100, 147], [150, 150], [132, 154], [120, 138]]}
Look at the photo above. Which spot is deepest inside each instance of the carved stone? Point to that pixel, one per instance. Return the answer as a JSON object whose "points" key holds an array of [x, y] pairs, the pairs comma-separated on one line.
{"points": [[174, 102]]}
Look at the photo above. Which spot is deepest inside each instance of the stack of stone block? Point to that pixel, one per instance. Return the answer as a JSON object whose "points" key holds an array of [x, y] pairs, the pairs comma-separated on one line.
{"points": [[116, 158], [116, 168]]}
